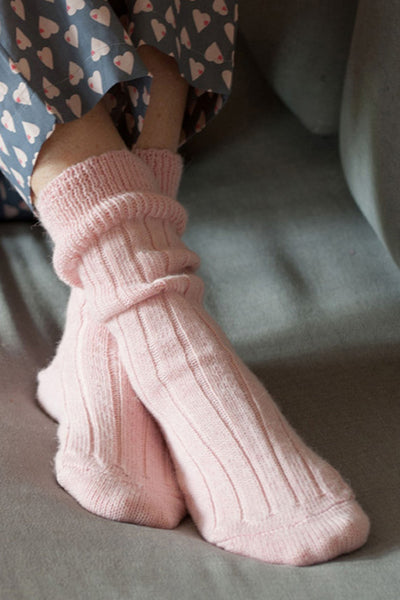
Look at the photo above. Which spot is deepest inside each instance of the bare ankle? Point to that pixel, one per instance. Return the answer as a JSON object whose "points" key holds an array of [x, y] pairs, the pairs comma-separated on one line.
{"points": [[71, 143]]}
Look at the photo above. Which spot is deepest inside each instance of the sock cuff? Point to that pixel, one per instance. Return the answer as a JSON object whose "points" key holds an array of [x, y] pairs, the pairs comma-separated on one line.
{"points": [[91, 197], [166, 166]]}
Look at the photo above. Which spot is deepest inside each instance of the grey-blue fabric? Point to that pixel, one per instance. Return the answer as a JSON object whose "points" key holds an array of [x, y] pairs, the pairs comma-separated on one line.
{"points": [[58, 59]]}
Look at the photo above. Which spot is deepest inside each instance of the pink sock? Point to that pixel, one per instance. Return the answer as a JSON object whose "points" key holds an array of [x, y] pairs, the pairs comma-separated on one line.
{"points": [[250, 483], [166, 166], [111, 457]]}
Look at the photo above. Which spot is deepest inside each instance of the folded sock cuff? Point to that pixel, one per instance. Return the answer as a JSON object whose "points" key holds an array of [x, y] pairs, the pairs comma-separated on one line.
{"points": [[166, 166], [91, 197]]}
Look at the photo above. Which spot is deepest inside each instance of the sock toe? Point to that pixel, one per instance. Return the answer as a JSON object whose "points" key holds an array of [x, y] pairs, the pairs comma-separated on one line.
{"points": [[49, 396], [339, 530]]}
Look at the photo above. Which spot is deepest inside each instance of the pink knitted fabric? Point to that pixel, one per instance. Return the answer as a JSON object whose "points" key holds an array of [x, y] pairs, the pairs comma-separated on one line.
{"points": [[166, 166], [250, 483], [112, 457]]}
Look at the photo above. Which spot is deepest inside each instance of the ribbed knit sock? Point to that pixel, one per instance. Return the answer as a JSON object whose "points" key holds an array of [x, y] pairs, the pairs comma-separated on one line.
{"points": [[112, 457], [250, 483], [166, 167]]}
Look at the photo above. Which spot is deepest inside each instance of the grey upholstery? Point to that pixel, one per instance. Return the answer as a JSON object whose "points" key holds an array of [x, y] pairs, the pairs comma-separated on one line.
{"points": [[370, 119], [334, 64], [311, 301], [302, 46]]}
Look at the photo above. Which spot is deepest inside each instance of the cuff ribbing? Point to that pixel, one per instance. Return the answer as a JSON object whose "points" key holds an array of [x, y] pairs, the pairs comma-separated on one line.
{"points": [[165, 165], [91, 197]]}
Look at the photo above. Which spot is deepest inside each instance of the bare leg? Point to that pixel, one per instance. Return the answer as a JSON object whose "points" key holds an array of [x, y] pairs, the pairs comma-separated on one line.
{"points": [[113, 459], [95, 132], [163, 122], [74, 142]]}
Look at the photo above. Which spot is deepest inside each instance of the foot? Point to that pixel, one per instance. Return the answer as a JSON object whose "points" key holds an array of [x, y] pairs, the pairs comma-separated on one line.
{"points": [[250, 483], [111, 457]]}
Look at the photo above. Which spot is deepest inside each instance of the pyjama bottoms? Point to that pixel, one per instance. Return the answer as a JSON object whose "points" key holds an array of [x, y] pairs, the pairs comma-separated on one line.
{"points": [[58, 58]]}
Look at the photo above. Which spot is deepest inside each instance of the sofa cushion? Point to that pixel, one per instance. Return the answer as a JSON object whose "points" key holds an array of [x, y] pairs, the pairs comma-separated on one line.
{"points": [[370, 125], [301, 47]]}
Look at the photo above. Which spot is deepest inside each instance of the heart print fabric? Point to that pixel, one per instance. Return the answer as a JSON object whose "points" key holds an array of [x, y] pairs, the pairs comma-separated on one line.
{"points": [[59, 57]]}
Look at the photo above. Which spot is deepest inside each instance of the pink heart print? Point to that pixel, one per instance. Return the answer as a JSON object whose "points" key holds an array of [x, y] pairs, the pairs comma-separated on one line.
{"points": [[201, 20]]}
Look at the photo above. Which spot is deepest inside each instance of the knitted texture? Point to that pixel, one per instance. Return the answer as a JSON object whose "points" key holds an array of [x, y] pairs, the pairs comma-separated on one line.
{"points": [[111, 456], [166, 167], [250, 483], [109, 445], [108, 181]]}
